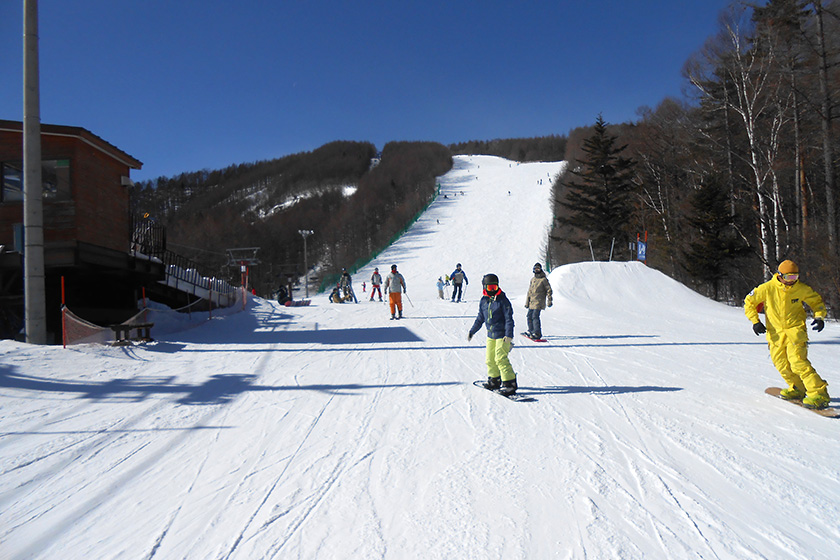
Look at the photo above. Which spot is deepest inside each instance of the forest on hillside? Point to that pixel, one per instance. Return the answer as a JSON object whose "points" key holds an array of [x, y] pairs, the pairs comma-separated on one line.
{"points": [[543, 148], [352, 200], [732, 180]]}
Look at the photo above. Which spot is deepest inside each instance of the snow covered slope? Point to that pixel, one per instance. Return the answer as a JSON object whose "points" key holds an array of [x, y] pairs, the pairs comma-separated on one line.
{"points": [[332, 432]]}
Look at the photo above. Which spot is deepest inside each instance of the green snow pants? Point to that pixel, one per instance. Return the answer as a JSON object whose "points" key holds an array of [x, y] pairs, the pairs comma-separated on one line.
{"points": [[497, 360]]}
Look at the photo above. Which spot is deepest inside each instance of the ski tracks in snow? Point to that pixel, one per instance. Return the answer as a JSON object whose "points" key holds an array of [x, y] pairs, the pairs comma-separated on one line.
{"points": [[290, 505]]}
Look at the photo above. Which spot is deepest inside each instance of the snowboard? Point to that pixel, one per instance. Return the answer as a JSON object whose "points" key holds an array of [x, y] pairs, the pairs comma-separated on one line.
{"points": [[534, 339], [514, 397], [827, 412], [297, 303]]}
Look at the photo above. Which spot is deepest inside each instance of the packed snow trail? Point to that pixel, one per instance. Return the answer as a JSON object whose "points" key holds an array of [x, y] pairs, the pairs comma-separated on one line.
{"points": [[330, 431]]}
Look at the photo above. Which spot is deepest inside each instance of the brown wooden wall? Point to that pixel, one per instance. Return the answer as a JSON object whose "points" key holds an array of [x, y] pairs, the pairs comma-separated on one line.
{"points": [[98, 209]]}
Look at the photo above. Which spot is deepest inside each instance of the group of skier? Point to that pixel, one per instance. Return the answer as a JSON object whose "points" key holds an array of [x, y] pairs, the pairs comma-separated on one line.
{"points": [[457, 280], [781, 300], [394, 287]]}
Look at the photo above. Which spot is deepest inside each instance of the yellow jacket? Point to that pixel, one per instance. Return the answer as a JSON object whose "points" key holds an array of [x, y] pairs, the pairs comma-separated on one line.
{"points": [[783, 304]]}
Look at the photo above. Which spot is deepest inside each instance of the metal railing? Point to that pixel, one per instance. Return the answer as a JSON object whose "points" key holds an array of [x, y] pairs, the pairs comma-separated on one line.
{"points": [[183, 275], [147, 238]]}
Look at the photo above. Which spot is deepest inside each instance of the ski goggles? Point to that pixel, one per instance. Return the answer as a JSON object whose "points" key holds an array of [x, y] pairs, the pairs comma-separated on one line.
{"points": [[792, 277], [491, 287]]}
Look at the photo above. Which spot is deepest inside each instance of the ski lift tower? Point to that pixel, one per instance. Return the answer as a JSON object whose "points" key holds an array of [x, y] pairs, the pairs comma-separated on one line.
{"points": [[243, 257]]}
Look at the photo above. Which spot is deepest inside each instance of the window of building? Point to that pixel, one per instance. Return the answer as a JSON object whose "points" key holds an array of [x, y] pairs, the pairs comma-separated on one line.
{"points": [[12, 182], [55, 176]]}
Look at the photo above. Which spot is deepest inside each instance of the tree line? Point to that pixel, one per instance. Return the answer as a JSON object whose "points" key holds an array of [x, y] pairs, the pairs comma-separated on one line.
{"points": [[353, 206], [733, 179], [541, 148]]}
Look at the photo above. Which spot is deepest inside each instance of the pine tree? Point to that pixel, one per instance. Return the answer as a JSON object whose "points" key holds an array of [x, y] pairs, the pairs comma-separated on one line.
{"points": [[598, 192], [715, 244]]}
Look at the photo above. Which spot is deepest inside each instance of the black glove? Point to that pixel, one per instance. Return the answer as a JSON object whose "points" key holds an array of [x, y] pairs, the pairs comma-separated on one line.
{"points": [[758, 328], [818, 324], [469, 336]]}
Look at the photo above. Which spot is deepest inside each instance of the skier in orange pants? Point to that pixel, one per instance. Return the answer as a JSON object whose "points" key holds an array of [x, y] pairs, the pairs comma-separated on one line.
{"points": [[395, 286]]}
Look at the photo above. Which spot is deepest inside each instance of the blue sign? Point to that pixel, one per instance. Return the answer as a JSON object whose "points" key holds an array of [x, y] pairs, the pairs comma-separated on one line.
{"points": [[642, 250]]}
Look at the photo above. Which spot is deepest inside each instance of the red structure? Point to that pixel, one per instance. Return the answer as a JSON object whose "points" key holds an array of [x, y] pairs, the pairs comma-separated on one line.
{"points": [[87, 227]]}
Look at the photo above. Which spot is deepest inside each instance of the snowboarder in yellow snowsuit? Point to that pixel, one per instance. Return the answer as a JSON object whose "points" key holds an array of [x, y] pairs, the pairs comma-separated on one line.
{"points": [[781, 299]]}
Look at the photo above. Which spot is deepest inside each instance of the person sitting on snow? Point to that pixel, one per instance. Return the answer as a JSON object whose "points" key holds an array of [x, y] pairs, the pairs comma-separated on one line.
{"points": [[346, 283]]}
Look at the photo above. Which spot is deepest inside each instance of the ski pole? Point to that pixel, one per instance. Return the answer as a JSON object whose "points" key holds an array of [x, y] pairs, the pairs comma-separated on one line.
{"points": [[409, 299]]}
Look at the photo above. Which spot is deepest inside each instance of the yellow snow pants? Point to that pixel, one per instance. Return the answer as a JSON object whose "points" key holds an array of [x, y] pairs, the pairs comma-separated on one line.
{"points": [[497, 360], [789, 352]]}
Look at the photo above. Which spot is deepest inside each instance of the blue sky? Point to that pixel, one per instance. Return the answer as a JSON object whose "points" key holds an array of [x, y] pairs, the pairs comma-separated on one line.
{"points": [[188, 85]]}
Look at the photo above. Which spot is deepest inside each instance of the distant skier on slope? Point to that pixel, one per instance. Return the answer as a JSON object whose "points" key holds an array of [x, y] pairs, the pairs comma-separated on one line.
{"points": [[375, 283], [458, 278], [394, 287], [539, 296], [781, 298], [495, 312]]}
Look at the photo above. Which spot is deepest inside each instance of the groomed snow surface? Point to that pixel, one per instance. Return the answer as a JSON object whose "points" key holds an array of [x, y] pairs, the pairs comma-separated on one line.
{"points": [[330, 431]]}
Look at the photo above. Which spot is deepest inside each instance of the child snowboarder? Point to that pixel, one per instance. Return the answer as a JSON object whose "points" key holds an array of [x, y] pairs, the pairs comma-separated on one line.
{"points": [[440, 286], [787, 336], [495, 312]]}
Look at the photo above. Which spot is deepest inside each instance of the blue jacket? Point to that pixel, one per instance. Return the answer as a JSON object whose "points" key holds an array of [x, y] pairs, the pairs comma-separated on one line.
{"points": [[458, 277], [496, 314]]}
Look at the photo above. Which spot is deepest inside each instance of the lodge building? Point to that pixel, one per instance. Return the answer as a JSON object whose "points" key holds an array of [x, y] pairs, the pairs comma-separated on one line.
{"points": [[88, 229]]}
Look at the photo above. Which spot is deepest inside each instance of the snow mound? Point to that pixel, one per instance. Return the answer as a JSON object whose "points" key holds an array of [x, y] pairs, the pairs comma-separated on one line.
{"points": [[620, 283]]}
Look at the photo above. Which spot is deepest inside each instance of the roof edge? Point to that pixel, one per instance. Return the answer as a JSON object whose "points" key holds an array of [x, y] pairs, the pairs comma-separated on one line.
{"points": [[81, 133]]}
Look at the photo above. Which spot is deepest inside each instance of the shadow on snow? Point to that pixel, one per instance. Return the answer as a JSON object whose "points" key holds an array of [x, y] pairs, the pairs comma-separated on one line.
{"points": [[218, 389]]}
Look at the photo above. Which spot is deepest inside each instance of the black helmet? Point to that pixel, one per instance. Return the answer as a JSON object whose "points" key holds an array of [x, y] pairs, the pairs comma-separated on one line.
{"points": [[458, 265], [393, 267], [490, 280], [537, 267]]}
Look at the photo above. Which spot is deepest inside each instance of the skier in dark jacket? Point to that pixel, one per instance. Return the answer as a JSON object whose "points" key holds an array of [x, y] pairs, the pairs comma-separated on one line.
{"points": [[539, 295], [458, 278], [346, 283], [495, 312]]}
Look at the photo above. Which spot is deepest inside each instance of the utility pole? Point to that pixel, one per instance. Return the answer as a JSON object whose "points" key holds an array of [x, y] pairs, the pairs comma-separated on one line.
{"points": [[35, 322], [305, 233]]}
